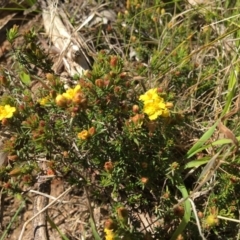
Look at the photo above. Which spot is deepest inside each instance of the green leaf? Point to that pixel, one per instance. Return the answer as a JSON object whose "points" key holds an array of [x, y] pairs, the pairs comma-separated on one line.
{"points": [[187, 210], [94, 231], [197, 163], [197, 146], [136, 141], [25, 78]]}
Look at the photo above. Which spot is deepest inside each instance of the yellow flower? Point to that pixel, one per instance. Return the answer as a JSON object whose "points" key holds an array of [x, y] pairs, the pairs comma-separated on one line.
{"points": [[71, 92], [155, 109], [83, 135], [109, 234], [44, 101], [150, 95], [6, 111], [154, 105]]}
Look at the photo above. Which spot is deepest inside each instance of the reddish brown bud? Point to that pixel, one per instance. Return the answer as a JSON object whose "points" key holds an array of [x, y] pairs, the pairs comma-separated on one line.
{"points": [[135, 108], [117, 89], [152, 126], [50, 171], [7, 185], [106, 83], [65, 154], [113, 61], [122, 74], [109, 224], [5, 121], [160, 90], [99, 83], [144, 180], [179, 211], [137, 119], [200, 214], [27, 178], [77, 98], [42, 123], [108, 166], [92, 131]]}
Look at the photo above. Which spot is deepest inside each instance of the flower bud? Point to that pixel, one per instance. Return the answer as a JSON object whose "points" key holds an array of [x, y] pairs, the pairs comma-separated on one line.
{"points": [[99, 83], [92, 131], [212, 220], [106, 83], [65, 154], [200, 214], [135, 108], [42, 123], [108, 166], [50, 77], [113, 61], [152, 126], [5, 121], [117, 89], [122, 213], [50, 172], [61, 101], [137, 120], [110, 224], [27, 178], [144, 180], [77, 98], [178, 211], [169, 105], [7, 185], [123, 74], [160, 90]]}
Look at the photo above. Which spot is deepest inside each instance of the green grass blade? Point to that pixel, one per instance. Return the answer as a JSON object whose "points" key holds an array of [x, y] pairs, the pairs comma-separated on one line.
{"points": [[187, 212], [94, 231], [12, 220], [197, 146]]}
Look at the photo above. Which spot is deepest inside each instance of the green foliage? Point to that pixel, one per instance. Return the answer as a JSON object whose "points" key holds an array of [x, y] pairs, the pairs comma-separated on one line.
{"points": [[99, 132]]}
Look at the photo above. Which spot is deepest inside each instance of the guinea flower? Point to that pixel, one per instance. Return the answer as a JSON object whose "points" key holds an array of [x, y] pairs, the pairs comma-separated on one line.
{"points": [[72, 92], [150, 95], [154, 105], [109, 234], [6, 111], [155, 109], [83, 135], [44, 101]]}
